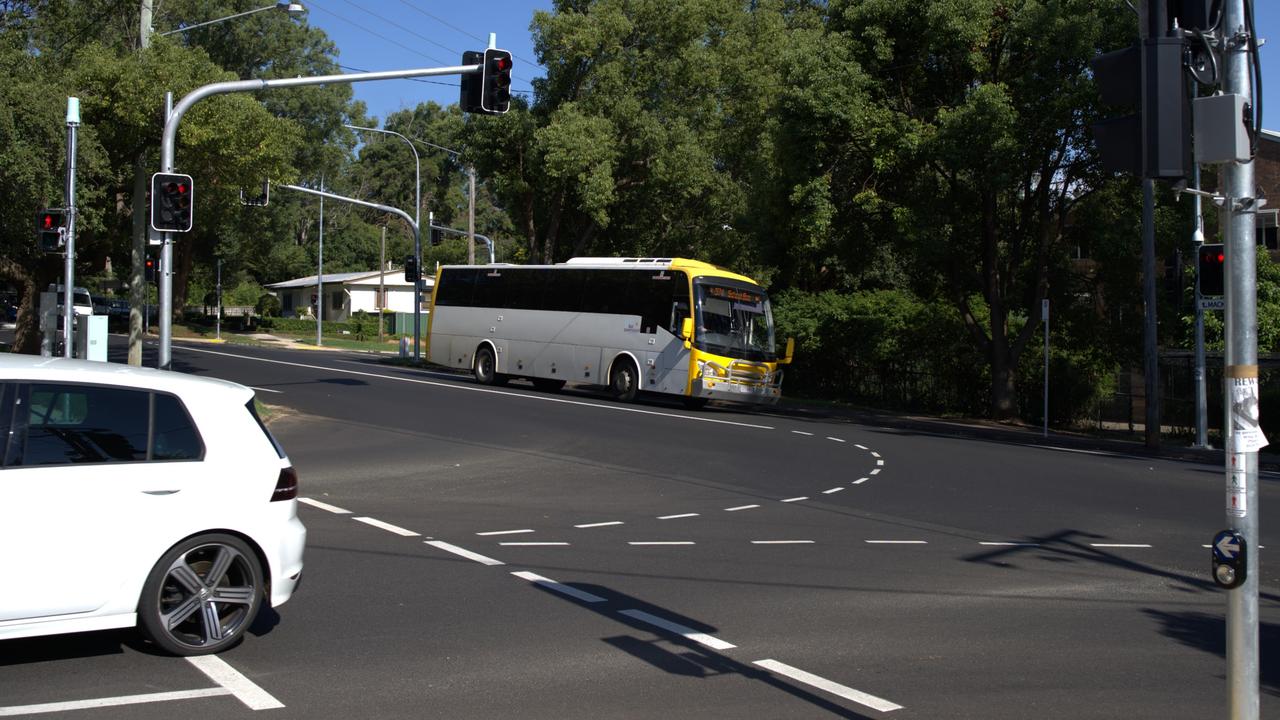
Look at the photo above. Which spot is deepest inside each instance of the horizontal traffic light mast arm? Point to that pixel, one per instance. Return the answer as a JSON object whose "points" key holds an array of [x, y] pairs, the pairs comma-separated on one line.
{"points": [[200, 93], [343, 198]]}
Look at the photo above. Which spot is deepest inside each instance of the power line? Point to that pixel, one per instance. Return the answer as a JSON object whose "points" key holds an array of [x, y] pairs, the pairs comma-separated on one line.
{"points": [[472, 35], [394, 23], [380, 36]]}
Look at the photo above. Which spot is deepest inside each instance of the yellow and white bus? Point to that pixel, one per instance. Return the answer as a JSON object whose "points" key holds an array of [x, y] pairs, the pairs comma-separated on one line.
{"points": [[664, 325]]}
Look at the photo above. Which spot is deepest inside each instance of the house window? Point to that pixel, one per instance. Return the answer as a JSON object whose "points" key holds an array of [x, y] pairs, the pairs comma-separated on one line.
{"points": [[287, 304], [335, 300]]}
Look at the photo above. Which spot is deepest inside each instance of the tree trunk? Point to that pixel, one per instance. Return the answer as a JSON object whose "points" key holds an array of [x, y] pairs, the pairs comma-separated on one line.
{"points": [[27, 335], [138, 290]]}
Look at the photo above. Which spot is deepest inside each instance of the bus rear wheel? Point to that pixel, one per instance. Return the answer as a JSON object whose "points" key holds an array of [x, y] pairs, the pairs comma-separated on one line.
{"points": [[486, 368], [624, 380]]}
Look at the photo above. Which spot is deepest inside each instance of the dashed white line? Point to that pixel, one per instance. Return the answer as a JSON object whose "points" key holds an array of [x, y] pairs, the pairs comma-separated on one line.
{"points": [[795, 499], [880, 463], [861, 480], [897, 542], [860, 447], [782, 542], [440, 544], [533, 544], [834, 439], [600, 524], [677, 517], [324, 506], [874, 471], [741, 507], [504, 532], [550, 584], [801, 432], [1119, 545], [387, 526], [875, 454], [848, 693], [1011, 544], [832, 490], [245, 690], [661, 542], [714, 643]]}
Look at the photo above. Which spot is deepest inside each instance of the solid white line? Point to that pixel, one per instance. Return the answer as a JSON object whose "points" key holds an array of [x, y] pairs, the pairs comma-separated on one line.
{"points": [[833, 439], [834, 688], [859, 481], [463, 553], [741, 507], [15, 710], [504, 532], [798, 499], [469, 388], [534, 544], [245, 690], [832, 490], [662, 542], [781, 542], [386, 526], [278, 392], [1015, 544], [676, 517], [1118, 545], [801, 432], [712, 642], [600, 524], [324, 506], [897, 542], [550, 584]]}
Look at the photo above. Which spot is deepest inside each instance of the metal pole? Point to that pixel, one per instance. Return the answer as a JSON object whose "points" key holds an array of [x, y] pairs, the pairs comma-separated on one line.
{"points": [[1241, 431], [68, 294], [164, 276], [471, 215], [320, 270], [382, 282], [1197, 239], [1151, 360], [218, 315]]}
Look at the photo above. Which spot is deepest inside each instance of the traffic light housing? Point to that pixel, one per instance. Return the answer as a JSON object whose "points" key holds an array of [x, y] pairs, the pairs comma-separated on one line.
{"points": [[469, 95], [411, 273], [1211, 268], [151, 270], [1152, 140], [172, 201], [437, 235], [51, 230], [495, 82]]}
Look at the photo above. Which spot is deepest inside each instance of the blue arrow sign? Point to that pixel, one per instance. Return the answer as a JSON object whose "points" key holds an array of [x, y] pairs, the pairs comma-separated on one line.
{"points": [[1227, 544]]}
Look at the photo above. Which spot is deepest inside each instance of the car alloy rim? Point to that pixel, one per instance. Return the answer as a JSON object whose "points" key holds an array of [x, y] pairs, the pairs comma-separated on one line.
{"points": [[207, 595]]}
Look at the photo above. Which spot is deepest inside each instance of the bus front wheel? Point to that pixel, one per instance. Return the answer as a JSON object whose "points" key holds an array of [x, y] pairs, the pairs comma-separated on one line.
{"points": [[624, 380], [486, 368]]}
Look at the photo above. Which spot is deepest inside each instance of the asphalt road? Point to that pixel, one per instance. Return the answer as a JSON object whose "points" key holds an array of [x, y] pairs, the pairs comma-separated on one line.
{"points": [[506, 553]]}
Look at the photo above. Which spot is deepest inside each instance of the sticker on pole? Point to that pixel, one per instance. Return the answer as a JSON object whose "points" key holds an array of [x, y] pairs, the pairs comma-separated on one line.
{"points": [[1246, 432], [1237, 493]]}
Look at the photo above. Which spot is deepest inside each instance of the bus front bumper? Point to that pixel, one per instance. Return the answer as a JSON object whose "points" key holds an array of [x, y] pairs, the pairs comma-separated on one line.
{"points": [[733, 390]]}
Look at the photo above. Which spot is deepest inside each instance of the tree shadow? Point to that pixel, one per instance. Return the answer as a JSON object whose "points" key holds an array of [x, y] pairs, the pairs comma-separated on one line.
{"points": [[1208, 633]]}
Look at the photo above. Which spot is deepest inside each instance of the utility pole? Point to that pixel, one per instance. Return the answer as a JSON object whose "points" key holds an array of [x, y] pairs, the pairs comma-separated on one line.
{"points": [[1155, 28], [68, 294], [382, 281], [471, 216], [320, 271]]}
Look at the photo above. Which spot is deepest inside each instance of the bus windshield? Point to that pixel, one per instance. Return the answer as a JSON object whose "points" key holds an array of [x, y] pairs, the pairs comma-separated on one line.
{"points": [[734, 321]]}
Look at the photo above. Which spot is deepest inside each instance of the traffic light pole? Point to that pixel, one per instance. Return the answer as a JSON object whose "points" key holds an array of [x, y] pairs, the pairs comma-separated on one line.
{"points": [[69, 280], [169, 139]]}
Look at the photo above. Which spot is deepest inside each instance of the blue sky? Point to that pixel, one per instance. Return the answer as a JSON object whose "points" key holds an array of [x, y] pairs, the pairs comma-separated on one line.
{"points": [[403, 34]]}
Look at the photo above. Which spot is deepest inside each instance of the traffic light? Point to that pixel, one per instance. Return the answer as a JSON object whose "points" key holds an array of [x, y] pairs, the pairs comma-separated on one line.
{"points": [[495, 82], [151, 270], [172, 196], [469, 95], [51, 230], [1153, 140], [437, 235], [1211, 267], [411, 273]]}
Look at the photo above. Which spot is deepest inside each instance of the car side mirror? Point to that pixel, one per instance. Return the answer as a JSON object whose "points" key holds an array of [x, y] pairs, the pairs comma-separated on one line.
{"points": [[686, 332], [791, 351]]}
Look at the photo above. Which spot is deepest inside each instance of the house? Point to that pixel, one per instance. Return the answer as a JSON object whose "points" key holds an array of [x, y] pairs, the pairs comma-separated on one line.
{"points": [[347, 293]]}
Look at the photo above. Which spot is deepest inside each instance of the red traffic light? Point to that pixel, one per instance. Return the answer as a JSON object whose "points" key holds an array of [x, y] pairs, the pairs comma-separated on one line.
{"points": [[48, 222]]}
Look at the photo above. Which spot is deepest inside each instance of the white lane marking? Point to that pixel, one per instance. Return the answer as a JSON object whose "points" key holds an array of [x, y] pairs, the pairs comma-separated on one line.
{"points": [[1015, 544], [879, 462], [860, 447], [796, 499], [834, 439], [897, 542], [533, 544], [550, 584], [1119, 545], [825, 685], [600, 524], [254, 387], [463, 553], [801, 432], [741, 507], [53, 707], [874, 471], [505, 532], [677, 517], [469, 388], [859, 481], [832, 490], [324, 506], [875, 454], [386, 526], [245, 690], [714, 643], [782, 542], [661, 542]]}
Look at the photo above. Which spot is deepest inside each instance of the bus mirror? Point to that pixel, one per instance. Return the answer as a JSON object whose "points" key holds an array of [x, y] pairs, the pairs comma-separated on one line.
{"points": [[791, 351], [686, 331]]}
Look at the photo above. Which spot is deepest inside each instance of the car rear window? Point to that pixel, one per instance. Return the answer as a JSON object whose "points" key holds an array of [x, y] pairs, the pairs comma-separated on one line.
{"points": [[253, 410]]}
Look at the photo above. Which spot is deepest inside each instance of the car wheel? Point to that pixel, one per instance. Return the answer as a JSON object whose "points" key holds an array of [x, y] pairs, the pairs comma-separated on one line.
{"points": [[624, 380], [202, 595], [486, 368]]}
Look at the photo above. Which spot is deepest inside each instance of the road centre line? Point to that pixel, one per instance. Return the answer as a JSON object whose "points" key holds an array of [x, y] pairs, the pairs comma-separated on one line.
{"points": [[457, 386], [689, 633], [245, 690], [387, 526], [741, 507], [834, 439], [461, 552], [1014, 544], [324, 506], [801, 432], [795, 499], [677, 517], [782, 542], [1119, 545], [897, 542], [661, 542], [832, 490], [550, 584], [53, 707], [834, 688], [533, 544], [600, 524], [504, 532]]}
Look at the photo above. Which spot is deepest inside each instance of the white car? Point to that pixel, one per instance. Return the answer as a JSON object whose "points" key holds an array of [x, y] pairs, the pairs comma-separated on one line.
{"points": [[132, 496]]}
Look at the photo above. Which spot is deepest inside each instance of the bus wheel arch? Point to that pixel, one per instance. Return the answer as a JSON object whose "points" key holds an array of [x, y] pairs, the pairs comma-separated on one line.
{"points": [[485, 365], [624, 377]]}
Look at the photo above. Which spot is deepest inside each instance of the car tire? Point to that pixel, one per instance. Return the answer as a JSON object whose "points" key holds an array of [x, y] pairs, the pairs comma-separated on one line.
{"points": [[486, 368], [624, 380], [202, 595]]}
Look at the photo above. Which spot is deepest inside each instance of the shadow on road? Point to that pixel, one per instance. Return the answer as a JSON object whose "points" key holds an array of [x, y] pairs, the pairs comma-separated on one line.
{"points": [[1208, 633]]}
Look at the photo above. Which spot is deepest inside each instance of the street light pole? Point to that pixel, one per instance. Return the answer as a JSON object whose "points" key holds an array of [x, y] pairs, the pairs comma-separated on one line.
{"points": [[292, 8]]}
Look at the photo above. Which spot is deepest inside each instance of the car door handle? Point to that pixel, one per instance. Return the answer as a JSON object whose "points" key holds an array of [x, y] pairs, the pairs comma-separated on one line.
{"points": [[160, 492]]}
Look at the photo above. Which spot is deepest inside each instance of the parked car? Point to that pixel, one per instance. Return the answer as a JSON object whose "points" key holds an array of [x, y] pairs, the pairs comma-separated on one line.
{"points": [[81, 302], [134, 496]]}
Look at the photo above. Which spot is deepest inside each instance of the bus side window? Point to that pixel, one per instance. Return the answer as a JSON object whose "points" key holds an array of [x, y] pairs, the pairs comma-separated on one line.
{"points": [[679, 311]]}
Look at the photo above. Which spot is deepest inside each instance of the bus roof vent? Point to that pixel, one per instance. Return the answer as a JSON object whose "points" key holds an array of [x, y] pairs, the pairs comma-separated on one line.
{"points": [[618, 261]]}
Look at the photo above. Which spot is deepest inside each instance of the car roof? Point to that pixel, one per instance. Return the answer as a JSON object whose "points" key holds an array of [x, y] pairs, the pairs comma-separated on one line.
{"points": [[15, 366]]}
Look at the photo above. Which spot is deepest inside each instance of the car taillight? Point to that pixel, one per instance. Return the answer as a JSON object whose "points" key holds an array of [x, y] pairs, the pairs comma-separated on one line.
{"points": [[286, 485]]}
